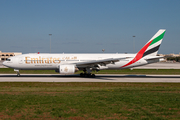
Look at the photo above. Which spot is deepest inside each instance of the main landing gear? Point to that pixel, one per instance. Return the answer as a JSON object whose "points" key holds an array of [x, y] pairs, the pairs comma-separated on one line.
{"points": [[87, 73], [17, 71]]}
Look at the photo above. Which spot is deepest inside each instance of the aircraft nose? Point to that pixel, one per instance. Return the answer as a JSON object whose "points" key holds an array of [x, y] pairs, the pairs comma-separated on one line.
{"points": [[8, 63], [4, 63]]}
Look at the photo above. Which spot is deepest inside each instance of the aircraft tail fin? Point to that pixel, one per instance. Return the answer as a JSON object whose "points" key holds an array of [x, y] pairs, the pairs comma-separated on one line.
{"points": [[152, 46]]}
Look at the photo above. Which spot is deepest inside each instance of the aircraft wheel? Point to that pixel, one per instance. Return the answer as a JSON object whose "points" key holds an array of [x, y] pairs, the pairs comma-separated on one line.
{"points": [[85, 75], [88, 75], [18, 74], [81, 74], [93, 75]]}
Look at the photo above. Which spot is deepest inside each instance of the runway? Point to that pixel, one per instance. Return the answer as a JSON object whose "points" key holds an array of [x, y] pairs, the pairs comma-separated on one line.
{"points": [[98, 78], [160, 65]]}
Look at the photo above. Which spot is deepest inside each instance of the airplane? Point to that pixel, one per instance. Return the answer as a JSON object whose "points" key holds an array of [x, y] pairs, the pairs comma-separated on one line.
{"points": [[71, 63]]}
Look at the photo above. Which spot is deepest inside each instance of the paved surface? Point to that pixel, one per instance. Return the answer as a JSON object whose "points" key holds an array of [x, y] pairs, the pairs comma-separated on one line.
{"points": [[161, 65], [98, 78]]}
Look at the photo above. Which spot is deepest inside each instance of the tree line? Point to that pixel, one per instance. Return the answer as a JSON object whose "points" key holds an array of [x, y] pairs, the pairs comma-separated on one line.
{"points": [[177, 59]]}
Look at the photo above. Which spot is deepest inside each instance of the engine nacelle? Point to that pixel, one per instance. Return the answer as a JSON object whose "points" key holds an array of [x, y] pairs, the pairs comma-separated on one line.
{"points": [[67, 69]]}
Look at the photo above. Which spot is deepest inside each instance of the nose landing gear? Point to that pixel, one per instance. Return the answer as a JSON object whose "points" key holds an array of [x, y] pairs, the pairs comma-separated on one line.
{"points": [[18, 74], [17, 71]]}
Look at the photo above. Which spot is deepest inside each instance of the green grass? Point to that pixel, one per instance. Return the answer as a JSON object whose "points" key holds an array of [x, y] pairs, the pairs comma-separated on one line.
{"points": [[125, 71], [11, 71], [89, 101]]}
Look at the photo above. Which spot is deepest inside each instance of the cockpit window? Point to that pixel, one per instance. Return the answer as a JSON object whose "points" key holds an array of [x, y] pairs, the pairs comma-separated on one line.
{"points": [[8, 60]]}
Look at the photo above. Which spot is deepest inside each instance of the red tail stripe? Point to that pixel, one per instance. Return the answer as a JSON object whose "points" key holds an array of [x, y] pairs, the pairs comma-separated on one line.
{"points": [[139, 54]]}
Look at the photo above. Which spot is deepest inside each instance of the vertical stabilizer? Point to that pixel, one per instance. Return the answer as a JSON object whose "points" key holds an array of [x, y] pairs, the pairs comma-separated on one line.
{"points": [[150, 48], [154, 43]]}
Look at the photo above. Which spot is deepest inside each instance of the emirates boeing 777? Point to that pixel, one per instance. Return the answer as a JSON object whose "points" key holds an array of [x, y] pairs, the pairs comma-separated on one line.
{"points": [[70, 63]]}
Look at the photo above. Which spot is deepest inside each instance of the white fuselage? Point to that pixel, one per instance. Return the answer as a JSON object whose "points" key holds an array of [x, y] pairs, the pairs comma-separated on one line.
{"points": [[52, 61]]}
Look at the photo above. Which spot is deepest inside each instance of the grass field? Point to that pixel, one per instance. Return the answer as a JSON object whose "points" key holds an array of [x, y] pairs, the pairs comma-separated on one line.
{"points": [[125, 71], [78, 101]]}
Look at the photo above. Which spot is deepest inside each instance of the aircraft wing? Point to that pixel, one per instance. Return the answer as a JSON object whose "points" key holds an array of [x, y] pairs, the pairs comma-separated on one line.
{"points": [[102, 62]]}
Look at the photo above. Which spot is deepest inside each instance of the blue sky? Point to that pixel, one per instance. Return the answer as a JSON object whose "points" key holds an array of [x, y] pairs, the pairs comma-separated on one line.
{"points": [[87, 26]]}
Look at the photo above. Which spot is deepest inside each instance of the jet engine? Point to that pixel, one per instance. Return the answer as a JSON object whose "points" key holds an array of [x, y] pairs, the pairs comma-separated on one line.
{"points": [[67, 69]]}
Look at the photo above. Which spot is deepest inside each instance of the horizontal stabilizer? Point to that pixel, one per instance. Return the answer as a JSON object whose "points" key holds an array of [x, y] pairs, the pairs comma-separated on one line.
{"points": [[154, 57]]}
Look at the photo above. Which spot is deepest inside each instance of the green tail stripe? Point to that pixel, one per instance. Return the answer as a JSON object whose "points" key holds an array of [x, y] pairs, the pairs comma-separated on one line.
{"points": [[157, 38]]}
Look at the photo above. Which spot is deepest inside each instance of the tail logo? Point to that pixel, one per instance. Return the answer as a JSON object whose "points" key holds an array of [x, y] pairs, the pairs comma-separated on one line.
{"points": [[151, 48], [139, 54]]}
